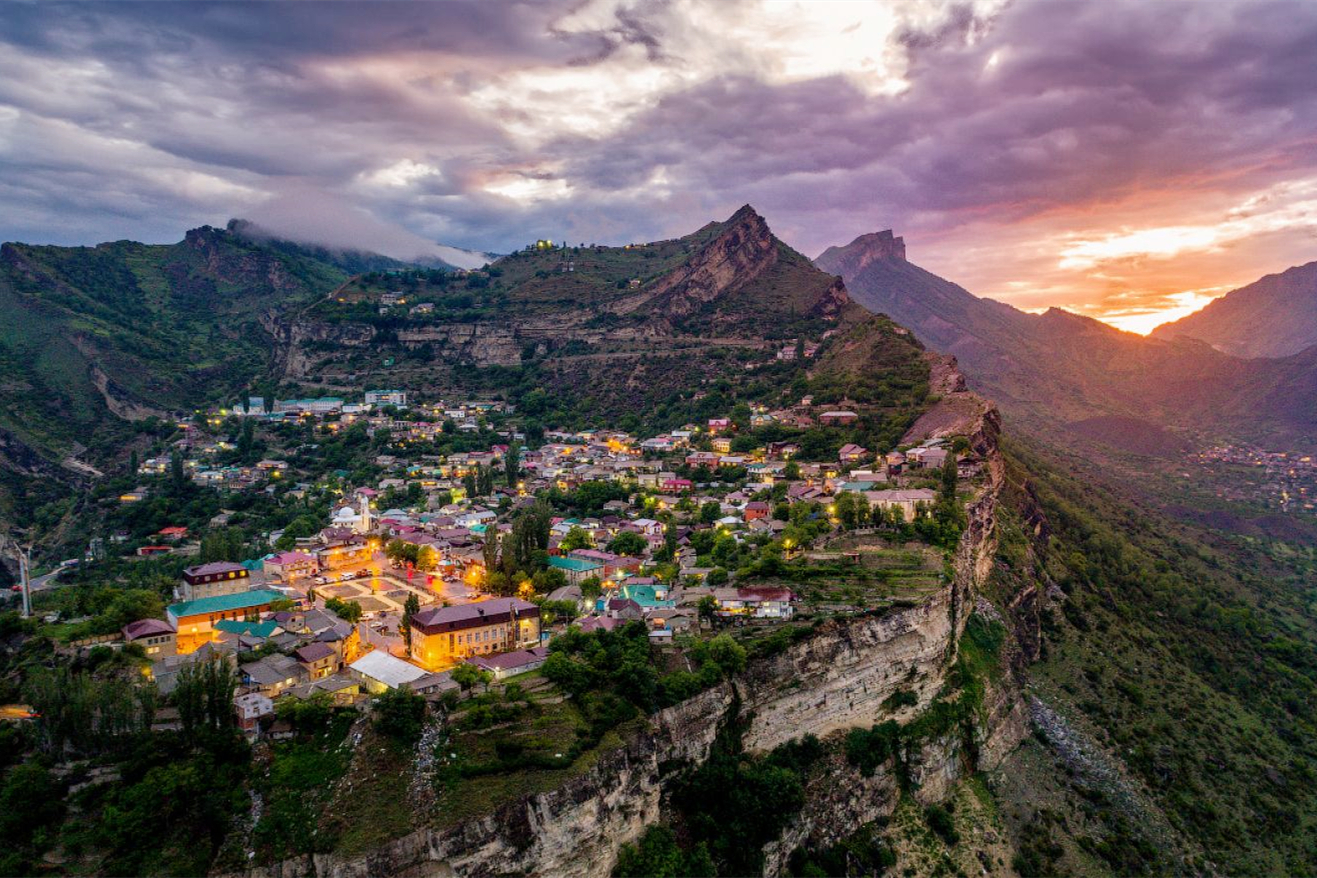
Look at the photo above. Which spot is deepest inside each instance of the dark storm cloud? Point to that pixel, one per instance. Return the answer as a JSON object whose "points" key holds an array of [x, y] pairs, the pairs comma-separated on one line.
{"points": [[458, 120]]}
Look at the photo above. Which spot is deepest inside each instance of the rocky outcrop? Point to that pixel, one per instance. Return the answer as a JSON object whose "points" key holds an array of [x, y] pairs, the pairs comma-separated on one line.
{"points": [[743, 250], [839, 678], [227, 261], [479, 344], [862, 252]]}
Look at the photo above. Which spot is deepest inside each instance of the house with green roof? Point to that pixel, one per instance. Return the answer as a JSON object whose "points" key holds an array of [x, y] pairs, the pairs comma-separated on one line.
{"points": [[247, 629], [195, 620], [576, 569]]}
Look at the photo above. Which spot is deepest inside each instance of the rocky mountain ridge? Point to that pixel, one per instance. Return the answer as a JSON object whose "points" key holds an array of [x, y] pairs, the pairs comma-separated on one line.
{"points": [[1059, 368], [1272, 317]]}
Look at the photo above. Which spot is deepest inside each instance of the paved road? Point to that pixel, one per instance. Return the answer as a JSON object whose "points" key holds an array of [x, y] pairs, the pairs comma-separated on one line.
{"points": [[46, 581]]}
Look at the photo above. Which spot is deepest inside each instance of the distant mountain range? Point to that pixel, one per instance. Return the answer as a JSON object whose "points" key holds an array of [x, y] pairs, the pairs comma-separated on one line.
{"points": [[1059, 369], [1273, 317], [101, 337]]}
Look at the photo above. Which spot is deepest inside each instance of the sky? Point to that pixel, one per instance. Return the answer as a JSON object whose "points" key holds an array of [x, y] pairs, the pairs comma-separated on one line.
{"points": [[1125, 160]]}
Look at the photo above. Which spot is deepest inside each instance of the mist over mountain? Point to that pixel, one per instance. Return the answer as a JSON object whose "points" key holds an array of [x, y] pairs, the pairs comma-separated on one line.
{"points": [[319, 220]]}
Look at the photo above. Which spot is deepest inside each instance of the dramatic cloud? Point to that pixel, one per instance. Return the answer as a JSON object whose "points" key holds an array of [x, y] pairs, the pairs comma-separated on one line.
{"points": [[1127, 160]]}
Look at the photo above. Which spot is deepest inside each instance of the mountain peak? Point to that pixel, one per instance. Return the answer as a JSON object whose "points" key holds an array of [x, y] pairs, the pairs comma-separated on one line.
{"points": [[864, 251]]}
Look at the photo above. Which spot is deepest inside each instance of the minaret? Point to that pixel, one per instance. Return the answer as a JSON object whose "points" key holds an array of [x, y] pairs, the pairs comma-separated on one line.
{"points": [[364, 526]]}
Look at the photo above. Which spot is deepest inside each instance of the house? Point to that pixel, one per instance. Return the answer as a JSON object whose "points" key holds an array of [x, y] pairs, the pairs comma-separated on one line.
{"points": [[156, 637], [838, 418], [908, 501], [194, 620], [289, 566], [613, 565], [508, 663], [443, 636], [214, 579], [895, 460], [758, 603], [648, 527], [271, 675], [434, 685], [702, 458], [850, 453], [756, 509], [344, 639], [599, 623], [927, 457], [576, 569], [251, 708], [248, 629], [378, 671], [391, 397], [318, 660], [718, 424], [345, 555], [165, 671], [172, 534]]}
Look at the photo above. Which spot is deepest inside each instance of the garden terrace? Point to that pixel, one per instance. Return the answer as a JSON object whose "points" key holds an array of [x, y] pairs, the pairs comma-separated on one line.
{"points": [[863, 572]]}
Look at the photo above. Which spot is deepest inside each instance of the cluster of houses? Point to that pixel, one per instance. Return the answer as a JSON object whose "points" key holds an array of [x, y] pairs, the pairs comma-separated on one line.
{"points": [[262, 614]]}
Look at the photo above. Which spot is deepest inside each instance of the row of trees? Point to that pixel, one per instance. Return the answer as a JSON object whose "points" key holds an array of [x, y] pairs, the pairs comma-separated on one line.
{"points": [[86, 714]]}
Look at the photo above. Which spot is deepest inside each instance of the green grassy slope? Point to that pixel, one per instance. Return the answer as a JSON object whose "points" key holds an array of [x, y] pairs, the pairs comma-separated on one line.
{"points": [[159, 326], [1188, 657]]}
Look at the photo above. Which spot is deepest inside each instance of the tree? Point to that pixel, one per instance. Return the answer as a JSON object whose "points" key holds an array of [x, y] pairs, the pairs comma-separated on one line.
{"points": [[577, 538], [203, 695], [178, 482], [710, 511], [727, 654], [469, 484], [947, 487], [427, 558], [467, 675], [410, 608], [400, 714], [792, 471], [246, 441], [512, 463], [348, 611], [591, 587], [628, 543], [707, 607]]}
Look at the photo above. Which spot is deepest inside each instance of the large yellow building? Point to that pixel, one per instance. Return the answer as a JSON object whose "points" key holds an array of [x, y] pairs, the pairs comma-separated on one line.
{"points": [[444, 636]]}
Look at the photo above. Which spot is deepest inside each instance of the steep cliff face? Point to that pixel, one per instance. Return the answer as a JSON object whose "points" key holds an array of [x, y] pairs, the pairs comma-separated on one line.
{"points": [[840, 678]]}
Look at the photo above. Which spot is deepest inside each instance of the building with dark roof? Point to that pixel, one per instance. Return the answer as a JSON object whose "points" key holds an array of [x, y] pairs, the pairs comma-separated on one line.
{"points": [[214, 579], [444, 636], [156, 636]]}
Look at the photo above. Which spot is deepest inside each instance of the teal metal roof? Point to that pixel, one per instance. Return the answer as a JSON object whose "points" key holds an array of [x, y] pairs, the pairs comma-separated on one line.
{"points": [[576, 565], [250, 629], [221, 603]]}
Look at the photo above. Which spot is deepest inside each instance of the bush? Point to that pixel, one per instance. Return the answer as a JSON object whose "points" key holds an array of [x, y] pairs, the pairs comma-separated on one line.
{"points": [[400, 714], [940, 821]]}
